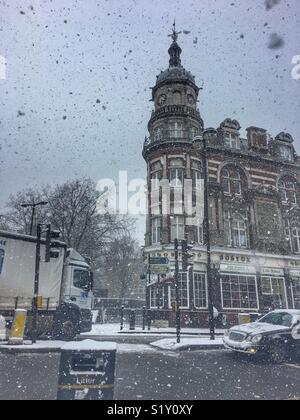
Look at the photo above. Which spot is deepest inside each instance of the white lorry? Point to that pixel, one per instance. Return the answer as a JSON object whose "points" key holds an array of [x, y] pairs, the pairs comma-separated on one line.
{"points": [[65, 287]]}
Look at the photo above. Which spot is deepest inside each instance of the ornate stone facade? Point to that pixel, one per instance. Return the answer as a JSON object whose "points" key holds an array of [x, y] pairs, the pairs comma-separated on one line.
{"points": [[254, 206]]}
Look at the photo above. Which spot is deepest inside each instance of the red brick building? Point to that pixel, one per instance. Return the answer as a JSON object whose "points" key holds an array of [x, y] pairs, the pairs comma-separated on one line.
{"points": [[254, 207]]}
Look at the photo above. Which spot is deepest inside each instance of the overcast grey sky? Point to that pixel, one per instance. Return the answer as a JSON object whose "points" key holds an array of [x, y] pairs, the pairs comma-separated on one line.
{"points": [[80, 72]]}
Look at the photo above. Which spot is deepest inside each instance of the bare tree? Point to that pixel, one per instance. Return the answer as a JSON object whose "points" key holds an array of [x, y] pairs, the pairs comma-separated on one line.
{"points": [[18, 218], [122, 266], [73, 210]]}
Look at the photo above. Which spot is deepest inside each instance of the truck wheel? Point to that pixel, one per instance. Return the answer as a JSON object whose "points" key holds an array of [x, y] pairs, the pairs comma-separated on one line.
{"points": [[278, 352], [67, 329]]}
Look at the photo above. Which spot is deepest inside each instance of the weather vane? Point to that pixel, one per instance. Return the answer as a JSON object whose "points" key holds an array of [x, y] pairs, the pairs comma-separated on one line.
{"points": [[174, 34]]}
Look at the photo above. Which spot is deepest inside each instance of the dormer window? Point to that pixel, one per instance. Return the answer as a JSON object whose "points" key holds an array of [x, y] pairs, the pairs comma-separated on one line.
{"points": [[288, 191], [286, 153], [232, 141]]}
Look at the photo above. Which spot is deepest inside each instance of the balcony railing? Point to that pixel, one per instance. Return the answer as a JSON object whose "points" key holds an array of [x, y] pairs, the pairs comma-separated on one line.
{"points": [[175, 110], [170, 136]]}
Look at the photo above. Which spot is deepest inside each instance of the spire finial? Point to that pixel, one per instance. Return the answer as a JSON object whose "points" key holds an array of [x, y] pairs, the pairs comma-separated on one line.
{"points": [[174, 34], [174, 50]]}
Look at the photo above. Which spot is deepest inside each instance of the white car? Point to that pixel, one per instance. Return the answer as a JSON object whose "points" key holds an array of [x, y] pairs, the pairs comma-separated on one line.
{"points": [[276, 335]]}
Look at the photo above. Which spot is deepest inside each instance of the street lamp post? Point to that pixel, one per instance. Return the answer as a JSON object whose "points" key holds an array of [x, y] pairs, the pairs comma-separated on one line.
{"points": [[33, 206], [207, 236]]}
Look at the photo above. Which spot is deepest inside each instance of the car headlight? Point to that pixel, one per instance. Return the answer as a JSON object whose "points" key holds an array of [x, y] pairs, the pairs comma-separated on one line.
{"points": [[226, 334], [256, 339]]}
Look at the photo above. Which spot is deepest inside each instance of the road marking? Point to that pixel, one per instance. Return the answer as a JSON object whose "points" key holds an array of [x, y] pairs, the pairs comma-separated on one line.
{"points": [[292, 366]]}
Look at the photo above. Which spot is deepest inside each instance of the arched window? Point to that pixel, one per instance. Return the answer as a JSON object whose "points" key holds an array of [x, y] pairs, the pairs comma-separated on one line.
{"points": [[288, 191], [296, 240], [236, 229], [177, 97], [177, 173], [293, 237], [157, 134], [232, 180]]}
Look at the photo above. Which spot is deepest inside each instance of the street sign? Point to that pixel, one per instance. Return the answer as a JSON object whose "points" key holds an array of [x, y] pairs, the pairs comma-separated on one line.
{"points": [[159, 261], [159, 269], [159, 265]]}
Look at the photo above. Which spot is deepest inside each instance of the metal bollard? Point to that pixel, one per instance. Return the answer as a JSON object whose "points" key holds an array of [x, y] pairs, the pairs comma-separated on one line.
{"points": [[87, 371], [18, 327], [122, 319], [132, 320], [2, 328], [144, 318], [149, 319]]}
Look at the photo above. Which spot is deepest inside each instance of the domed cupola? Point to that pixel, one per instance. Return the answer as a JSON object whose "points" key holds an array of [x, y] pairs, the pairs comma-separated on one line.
{"points": [[175, 119]]}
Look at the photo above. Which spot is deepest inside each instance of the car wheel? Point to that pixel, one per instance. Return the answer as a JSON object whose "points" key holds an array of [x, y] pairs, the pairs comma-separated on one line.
{"points": [[278, 352]]}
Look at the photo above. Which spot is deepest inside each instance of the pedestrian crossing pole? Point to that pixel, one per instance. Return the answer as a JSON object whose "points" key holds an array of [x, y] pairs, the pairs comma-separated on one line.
{"points": [[35, 303]]}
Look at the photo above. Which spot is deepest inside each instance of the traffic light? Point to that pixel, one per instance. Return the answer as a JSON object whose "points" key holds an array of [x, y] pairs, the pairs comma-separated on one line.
{"points": [[52, 242], [186, 255]]}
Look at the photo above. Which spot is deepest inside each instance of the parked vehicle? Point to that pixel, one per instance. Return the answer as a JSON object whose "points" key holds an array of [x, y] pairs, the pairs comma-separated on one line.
{"points": [[65, 286], [276, 335]]}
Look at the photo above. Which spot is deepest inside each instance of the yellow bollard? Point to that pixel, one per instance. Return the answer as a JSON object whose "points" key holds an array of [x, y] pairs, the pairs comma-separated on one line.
{"points": [[40, 302], [18, 327], [2, 328]]}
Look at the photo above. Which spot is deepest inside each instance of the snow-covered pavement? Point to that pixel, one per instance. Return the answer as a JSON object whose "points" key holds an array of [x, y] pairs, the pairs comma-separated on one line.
{"points": [[201, 343], [114, 329], [139, 341], [56, 346]]}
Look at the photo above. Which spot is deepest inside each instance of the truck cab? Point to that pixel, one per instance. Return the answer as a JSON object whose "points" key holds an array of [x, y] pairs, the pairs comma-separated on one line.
{"points": [[77, 289]]}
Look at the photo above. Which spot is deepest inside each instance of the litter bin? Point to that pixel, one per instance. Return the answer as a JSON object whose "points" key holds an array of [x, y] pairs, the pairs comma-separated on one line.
{"points": [[87, 371]]}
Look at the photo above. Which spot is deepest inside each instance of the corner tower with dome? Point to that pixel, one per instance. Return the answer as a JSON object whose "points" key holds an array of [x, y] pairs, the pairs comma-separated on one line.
{"points": [[254, 213]]}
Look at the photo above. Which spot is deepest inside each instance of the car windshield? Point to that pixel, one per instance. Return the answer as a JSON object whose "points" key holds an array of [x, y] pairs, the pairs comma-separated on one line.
{"points": [[282, 319]]}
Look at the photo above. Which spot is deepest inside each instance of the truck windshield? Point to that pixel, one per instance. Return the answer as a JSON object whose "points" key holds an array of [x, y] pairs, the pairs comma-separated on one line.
{"points": [[82, 279], [282, 319]]}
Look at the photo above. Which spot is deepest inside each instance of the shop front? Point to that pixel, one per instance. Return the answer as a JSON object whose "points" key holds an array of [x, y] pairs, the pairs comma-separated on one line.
{"points": [[295, 288], [242, 283], [273, 289]]}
